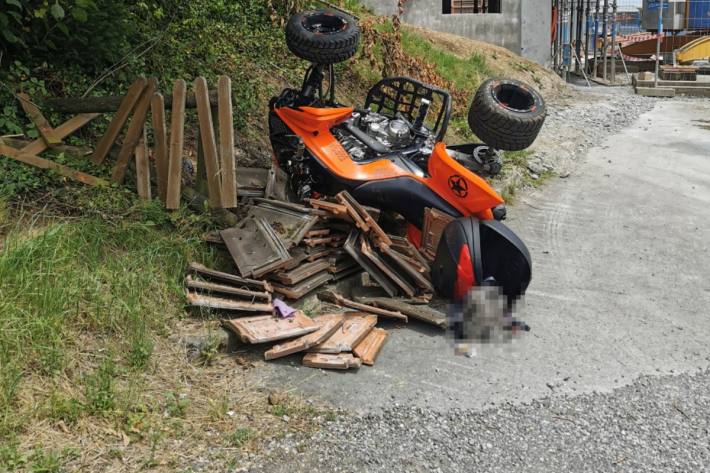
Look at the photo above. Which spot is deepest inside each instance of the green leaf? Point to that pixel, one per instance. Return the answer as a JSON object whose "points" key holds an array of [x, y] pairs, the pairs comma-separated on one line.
{"points": [[63, 28], [79, 15], [14, 2], [57, 11], [10, 36], [3, 20]]}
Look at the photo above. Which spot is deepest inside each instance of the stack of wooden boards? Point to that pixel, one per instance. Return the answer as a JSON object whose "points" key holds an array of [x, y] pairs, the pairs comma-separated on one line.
{"points": [[216, 160]]}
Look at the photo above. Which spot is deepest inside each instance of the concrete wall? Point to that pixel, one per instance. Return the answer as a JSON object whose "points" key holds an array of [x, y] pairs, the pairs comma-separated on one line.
{"points": [[529, 37]]}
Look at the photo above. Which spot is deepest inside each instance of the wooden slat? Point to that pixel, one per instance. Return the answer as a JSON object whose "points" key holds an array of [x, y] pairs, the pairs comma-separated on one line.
{"points": [[142, 168], [226, 142], [209, 145], [135, 129], [35, 114], [368, 349], [177, 130], [62, 131], [47, 164], [114, 128], [160, 135]]}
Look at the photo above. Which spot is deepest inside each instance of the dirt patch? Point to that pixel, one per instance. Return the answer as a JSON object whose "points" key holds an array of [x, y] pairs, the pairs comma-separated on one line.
{"points": [[502, 62]]}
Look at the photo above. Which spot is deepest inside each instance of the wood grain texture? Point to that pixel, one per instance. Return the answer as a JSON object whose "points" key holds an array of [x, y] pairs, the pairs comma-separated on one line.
{"points": [[209, 145], [142, 168], [160, 135], [62, 131], [177, 131], [35, 114], [114, 128], [42, 163], [135, 129], [226, 142]]}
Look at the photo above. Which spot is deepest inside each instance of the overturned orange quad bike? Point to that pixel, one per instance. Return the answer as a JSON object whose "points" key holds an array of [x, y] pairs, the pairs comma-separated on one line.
{"points": [[390, 154]]}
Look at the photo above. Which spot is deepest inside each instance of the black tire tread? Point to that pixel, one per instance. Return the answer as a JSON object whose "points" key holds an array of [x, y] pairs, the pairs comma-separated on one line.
{"points": [[501, 128], [323, 49]]}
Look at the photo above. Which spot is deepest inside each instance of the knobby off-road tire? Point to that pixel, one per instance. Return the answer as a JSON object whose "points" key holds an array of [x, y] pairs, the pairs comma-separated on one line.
{"points": [[507, 114], [323, 36]]}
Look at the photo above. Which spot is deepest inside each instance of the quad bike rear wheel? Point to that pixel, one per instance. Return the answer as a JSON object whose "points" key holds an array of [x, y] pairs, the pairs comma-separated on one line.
{"points": [[323, 36], [507, 114]]}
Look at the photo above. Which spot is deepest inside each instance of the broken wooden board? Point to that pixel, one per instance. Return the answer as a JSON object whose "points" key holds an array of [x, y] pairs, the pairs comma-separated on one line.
{"points": [[36, 161], [368, 349], [197, 286], [337, 299], [160, 135], [420, 312], [62, 131], [43, 126], [355, 328], [268, 328], [228, 278], [381, 238], [177, 134], [327, 324], [352, 246], [420, 279], [226, 142], [119, 119], [142, 168], [385, 268], [301, 272], [276, 184], [209, 145], [134, 132], [199, 300], [340, 361], [304, 287]]}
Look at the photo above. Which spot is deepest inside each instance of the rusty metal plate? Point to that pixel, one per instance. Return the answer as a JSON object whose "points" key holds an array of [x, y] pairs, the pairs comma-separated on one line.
{"points": [[268, 328], [327, 324], [355, 327], [340, 361], [368, 349]]}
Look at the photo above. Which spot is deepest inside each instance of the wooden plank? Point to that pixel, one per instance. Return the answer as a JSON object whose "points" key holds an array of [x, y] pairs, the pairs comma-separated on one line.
{"points": [[198, 300], [340, 361], [226, 142], [355, 327], [301, 272], [368, 349], [177, 131], [35, 114], [327, 324], [209, 287], [160, 135], [114, 128], [142, 168], [304, 287], [227, 277], [268, 328], [421, 312], [62, 131], [135, 128], [209, 145], [42, 163], [377, 260], [335, 298]]}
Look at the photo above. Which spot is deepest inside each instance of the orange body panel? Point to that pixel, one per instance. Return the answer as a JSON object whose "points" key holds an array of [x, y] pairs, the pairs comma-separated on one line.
{"points": [[464, 190]]}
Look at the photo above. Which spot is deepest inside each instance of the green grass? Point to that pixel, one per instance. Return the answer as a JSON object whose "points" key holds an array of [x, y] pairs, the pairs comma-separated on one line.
{"points": [[466, 73], [115, 274]]}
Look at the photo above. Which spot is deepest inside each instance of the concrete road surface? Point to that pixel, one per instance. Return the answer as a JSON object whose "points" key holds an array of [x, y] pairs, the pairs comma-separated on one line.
{"points": [[621, 285]]}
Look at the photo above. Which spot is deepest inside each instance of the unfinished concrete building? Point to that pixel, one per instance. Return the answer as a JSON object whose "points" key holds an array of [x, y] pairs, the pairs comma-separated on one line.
{"points": [[522, 26]]}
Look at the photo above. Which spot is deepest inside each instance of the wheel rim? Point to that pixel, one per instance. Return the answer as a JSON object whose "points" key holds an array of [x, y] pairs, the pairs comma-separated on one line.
{"points": [[323, 23], [514, 97]]}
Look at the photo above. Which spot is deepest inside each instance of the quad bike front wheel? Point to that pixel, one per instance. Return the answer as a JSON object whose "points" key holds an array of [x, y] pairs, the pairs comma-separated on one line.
{"points": [[507, 114], [323, 36]]}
